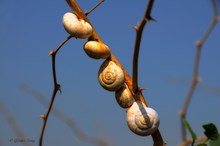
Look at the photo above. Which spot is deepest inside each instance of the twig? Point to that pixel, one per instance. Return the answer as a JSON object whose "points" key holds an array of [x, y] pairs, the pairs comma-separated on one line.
{"points": [[56, 85], [210, 89], [12, 122], [157, 138], [158, 141], [196, 78], [139, 29], [215, 90], [64, 118], [56, 88], [189, 141], [101, 1], [80, 14]]}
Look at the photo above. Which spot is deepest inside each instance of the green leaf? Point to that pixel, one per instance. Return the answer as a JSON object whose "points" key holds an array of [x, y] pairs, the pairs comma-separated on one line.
{"points": [[188, 127], [211, 131], [214, 142], [202, 144]]}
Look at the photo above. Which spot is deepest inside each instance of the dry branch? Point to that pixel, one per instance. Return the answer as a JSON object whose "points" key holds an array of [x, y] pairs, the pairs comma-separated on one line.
{"points": [[158, 141], [56, 85], [157, 138], [189, 141], [64, 118], [55, 89], [196, 77]]}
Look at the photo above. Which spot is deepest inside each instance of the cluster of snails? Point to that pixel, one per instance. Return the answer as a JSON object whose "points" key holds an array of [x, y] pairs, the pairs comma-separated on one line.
{"points": [[141, 120]]}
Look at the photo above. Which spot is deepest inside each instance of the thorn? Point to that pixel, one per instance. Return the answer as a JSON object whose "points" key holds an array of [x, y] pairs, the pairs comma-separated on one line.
{"points": [[43, 116], [135, 27], [86, 12], [152, 19], [198, 43], [58, 88], [51, 52], [60, 91], [198, 79], [141, 89], [217, 18], [181, 113]]}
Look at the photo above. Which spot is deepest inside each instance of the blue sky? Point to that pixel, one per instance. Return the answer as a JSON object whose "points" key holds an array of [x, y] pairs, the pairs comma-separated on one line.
{"points": [[30, 29]]}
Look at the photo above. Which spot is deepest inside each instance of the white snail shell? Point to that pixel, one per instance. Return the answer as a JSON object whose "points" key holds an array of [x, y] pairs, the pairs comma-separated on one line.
{"points": [[142, 120], [110, 76], [76, 27], [96, 50], [124, 97]]}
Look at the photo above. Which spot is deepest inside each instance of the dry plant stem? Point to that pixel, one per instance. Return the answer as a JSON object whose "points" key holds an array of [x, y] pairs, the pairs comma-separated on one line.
{"points": [[56, 85], [210, 89], [64, 118], [101, 1], [139, 29], [77, 10], [56, 88], [12, 123], [196, 78], [215, 90], [158, 141], [157, 138], [189, 141]]}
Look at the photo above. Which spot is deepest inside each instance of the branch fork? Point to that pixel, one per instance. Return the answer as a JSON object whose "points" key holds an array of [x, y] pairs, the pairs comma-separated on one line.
{"points": [[131, 83]]}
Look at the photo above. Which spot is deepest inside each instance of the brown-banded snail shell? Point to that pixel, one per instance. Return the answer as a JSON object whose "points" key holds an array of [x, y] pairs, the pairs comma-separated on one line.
{"points": [[76, 27], [124, 97], [110, 76], [96, 50], [142, 120]]}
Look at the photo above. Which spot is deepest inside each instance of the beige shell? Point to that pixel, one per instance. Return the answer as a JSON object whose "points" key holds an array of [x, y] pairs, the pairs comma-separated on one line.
{"points": [[96, 50], [142, 120], [76, 27], [110, 76], [124, 97]]}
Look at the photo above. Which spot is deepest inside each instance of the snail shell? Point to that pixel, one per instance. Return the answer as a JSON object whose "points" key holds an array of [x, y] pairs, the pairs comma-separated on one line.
{"points": [[142, 120], [124, 97], [78, 28], [110, 76], [96, 50]]}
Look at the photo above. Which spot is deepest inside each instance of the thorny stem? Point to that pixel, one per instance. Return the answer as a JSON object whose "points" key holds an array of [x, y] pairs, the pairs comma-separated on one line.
{"points": [[64, 118], [56, 85], [157, 138], [139, 29], [80, 14], [56, 88], [196, 78], [158, 141]]}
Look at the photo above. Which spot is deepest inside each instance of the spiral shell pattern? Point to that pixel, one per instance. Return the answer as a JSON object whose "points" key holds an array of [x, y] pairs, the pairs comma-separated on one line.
{"points": [[110, 76], [142, 120], [76, 27]]}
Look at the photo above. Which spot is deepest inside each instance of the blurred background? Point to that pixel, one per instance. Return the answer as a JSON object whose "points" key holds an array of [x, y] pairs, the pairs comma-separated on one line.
{"points": [[30, 29]]}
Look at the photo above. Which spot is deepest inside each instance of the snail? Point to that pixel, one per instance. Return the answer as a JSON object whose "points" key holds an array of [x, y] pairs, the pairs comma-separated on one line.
{"points": [[142, 120], [76, 27], [96, 50], [110, 76], [124, 97]]}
